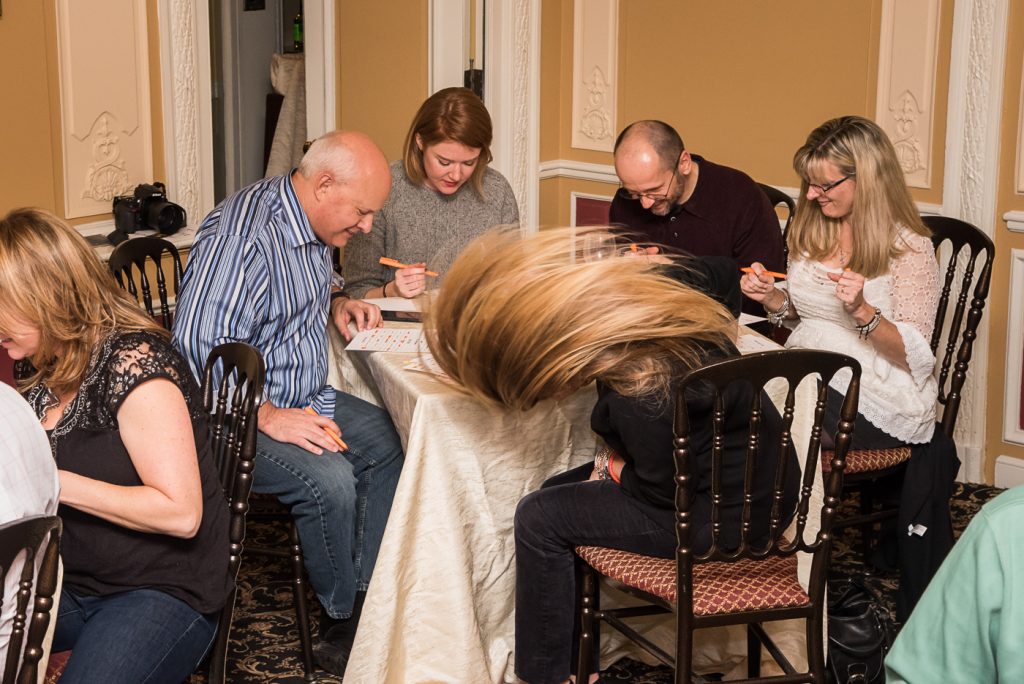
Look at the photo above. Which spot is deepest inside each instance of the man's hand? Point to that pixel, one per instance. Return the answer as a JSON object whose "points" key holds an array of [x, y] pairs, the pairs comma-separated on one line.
{"points": [[345, 310], [295, 426]]}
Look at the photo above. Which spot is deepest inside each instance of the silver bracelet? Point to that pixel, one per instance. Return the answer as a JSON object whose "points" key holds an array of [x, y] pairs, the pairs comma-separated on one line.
{"points": [[864, 330], [775, 317], [601, 464]]}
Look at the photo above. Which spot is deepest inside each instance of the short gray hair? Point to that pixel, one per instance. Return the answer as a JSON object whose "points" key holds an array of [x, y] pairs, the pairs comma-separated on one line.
{"points": [[329, 153]]}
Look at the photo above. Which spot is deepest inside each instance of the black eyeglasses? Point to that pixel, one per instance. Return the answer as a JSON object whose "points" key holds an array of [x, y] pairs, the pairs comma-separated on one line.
{"points": [[654, 196], [827, 187]]}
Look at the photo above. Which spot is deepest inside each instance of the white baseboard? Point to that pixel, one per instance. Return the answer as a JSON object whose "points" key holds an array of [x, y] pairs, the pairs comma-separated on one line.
{"points": [[1009, 471]]}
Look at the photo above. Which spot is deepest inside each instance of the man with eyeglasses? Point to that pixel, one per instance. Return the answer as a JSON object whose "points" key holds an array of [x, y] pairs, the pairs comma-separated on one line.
{"points": [[683, 203]]}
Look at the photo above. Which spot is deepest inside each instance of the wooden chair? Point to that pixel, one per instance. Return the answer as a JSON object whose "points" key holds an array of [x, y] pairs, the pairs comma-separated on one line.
{"points": [[233, 434], [131, 255], [232, 404], [952, 341], [38, 534], [777, 197], [751, 584]]}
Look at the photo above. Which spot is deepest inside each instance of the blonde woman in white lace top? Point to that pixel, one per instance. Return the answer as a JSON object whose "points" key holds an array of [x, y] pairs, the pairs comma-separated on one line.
{"points": [[863, 278]]}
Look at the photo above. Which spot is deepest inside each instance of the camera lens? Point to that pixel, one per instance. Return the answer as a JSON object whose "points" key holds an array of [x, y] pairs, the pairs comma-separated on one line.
{"points": [[164, 217]]}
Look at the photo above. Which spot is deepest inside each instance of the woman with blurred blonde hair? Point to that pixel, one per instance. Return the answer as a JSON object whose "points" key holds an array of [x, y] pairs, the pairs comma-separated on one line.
{"points": [[443, 194], [521, 319], [145, 545]]}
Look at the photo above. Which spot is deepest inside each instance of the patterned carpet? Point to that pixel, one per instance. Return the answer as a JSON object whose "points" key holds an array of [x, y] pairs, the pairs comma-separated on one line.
{"points": [[264, 641]]}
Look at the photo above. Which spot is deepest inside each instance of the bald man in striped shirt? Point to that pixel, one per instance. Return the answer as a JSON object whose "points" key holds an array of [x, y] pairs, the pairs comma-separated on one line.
{"points": [[260, 272]]}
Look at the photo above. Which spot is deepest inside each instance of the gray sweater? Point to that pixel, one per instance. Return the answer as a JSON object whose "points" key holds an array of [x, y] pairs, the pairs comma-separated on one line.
{"points": [[418, 224]]}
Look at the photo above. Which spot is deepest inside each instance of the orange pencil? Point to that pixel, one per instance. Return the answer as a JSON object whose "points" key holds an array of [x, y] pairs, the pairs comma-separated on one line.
{"points": [[773, 274], [330, 433], [398, 264]]}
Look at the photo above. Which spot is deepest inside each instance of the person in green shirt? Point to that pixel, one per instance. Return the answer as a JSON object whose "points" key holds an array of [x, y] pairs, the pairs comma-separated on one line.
{"points": [[969, 624]]}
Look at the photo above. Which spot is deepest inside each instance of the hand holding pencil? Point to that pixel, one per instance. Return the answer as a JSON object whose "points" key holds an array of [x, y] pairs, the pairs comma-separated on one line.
{"points": [[410, 279], [330, 433]]}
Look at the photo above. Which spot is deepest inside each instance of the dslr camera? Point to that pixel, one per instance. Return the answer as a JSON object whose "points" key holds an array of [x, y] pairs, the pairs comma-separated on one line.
{"points": [[147, 208]]}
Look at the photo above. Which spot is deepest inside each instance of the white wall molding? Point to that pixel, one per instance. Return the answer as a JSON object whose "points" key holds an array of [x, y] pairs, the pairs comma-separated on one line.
{"points": [[595, 74], [106, 133], [1009, 471], [1020, 140], [512, 96], [567, 168], [1012, 431], [321, 70], [447, 46], [906, 83], [187, 109], [1014, 221], [573, 196], [977, 66]]}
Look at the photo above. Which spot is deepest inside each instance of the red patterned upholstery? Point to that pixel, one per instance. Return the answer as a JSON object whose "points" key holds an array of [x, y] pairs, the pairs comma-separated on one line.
{"points": [[55, 666], [717, 587], [865, 460]]}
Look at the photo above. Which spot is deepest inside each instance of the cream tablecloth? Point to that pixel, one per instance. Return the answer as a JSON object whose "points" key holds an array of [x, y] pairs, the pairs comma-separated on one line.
{"points": [[441, 604]]}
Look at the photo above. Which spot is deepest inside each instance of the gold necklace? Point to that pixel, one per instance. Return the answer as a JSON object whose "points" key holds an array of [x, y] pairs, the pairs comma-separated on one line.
{"points": [[843, 256]]}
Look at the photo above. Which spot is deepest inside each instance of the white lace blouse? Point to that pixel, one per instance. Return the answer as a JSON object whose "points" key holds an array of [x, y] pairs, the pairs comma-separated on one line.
{"points": [[899, 403]]}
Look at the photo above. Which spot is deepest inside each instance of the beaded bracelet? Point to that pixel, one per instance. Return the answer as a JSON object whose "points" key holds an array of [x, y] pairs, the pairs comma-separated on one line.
{"points": [[864, 330], [775, 317]]}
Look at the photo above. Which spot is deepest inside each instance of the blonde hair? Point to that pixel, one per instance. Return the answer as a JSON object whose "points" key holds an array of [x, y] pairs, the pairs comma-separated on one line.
{"points": [[520, 319], [881, 203], [455, 114], [51, 279]]}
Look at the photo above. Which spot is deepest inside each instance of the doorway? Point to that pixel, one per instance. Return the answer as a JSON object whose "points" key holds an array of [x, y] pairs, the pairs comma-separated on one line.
{"points": [[257, 64]]}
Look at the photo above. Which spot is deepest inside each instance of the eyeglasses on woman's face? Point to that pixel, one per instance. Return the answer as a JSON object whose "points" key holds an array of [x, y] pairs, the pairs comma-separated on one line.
{"points": [[827, 187]]}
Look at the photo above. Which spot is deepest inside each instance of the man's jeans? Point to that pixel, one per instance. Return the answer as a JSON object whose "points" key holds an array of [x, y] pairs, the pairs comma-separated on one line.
{"points": [[135, 637], [340, 501]]}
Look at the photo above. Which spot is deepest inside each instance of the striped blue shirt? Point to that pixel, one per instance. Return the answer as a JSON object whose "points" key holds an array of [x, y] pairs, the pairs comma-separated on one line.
{"points": [[258, 274]]}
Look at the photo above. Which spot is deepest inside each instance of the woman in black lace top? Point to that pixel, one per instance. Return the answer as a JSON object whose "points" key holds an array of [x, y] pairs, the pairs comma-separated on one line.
{"points": [[145, 548]]}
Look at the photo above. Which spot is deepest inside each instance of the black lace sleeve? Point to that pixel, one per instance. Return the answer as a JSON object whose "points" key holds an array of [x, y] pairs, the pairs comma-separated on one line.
{"points": [[126, 361]]}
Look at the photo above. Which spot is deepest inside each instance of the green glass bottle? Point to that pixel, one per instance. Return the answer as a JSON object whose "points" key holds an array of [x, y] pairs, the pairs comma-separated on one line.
{"points": [[297, 32]]}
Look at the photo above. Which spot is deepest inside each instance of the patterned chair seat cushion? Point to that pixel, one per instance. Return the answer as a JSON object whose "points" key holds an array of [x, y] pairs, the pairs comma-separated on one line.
{"points": [[866, 460], [717, 587]]}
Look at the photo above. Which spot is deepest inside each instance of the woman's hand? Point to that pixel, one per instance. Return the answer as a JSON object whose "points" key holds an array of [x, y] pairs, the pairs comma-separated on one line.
{"points": [[410, 281], [760, 287], [850, 292]]}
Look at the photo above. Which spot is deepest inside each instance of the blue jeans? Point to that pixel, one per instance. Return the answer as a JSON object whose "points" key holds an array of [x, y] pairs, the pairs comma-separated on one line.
{"points": [[137, 637], [568, 512], [340, 501]]}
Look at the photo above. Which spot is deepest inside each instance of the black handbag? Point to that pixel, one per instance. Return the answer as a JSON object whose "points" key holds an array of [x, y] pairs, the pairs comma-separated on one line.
{"points": [[860, 633]]}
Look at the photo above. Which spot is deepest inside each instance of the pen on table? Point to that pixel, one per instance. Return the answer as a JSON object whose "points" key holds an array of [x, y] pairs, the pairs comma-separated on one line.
{"points": [[330, 433], [773, 274], [398, 264]]}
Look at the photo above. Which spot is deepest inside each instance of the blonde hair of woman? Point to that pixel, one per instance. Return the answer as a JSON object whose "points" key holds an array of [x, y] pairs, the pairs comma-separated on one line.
{"points": [[522, 318], [882, 204], [51, 279]]}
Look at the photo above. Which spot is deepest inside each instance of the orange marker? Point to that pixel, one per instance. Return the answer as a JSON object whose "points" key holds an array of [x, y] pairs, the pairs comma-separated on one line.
{"points": [[773, 274], [330, 433], [398, 264], [632, 247]]}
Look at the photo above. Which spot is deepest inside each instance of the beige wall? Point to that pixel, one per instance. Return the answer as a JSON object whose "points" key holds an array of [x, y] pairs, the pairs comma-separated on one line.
{"points": [[26, 144], [732, 78], [998, 313], [382, 68], [30, 149]]}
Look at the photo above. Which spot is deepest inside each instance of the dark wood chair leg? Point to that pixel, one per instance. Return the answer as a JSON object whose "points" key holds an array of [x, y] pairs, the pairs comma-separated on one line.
{"points": [[218, 660], [588, 639], [299, 597], [753, 654]]}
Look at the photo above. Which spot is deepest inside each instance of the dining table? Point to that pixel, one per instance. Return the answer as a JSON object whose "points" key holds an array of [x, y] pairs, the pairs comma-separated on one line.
{"points": [[441, 603]]}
